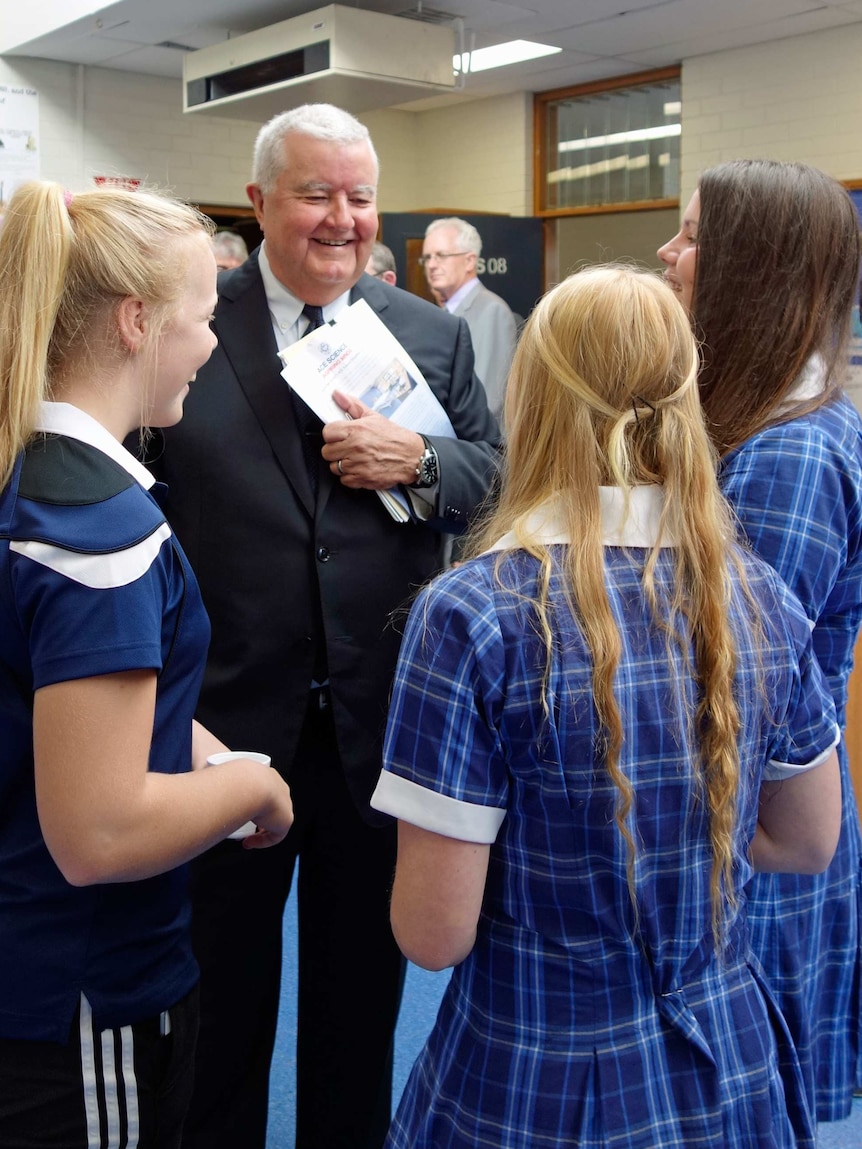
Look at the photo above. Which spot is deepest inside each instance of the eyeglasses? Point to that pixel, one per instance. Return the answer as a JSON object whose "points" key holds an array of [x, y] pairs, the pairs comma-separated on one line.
{"points": [[441, 255]]}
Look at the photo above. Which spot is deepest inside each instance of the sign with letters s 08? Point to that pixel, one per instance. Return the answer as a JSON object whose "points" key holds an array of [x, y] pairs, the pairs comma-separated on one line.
{"points": [[511, 264]]}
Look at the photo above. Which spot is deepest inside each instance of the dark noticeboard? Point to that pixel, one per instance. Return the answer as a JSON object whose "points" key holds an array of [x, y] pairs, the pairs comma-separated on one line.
{"points": [[511, 263]]}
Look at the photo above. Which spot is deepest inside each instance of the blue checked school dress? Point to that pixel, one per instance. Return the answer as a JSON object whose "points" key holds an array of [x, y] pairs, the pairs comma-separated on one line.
{"points": [[797, 489], [570, 1023]]}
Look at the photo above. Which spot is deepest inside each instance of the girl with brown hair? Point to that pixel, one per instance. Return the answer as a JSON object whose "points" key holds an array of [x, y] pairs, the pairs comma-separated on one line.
{"points": [[767, 263]]}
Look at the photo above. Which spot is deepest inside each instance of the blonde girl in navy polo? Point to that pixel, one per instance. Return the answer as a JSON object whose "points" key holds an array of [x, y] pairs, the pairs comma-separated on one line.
{"points": [[104, 320]]}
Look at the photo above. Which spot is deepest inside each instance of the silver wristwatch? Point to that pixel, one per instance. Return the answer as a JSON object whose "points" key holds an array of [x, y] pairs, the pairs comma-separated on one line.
{"points": [[427, 469]]}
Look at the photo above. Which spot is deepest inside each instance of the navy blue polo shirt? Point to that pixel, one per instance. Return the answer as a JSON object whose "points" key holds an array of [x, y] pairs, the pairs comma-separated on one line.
{"points": [[92, 582]]}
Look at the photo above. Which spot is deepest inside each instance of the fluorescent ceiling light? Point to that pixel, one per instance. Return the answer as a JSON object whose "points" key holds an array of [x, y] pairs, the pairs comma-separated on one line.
{"points": [[658, 133], [514, 52]]}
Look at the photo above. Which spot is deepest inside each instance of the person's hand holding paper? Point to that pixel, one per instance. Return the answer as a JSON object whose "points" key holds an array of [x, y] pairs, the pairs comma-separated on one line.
{"points": [[382, 394], [367, 449]]}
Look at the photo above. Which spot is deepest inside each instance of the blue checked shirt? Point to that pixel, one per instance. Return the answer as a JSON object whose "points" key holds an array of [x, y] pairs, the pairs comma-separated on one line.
{"points": [[797, 490]]}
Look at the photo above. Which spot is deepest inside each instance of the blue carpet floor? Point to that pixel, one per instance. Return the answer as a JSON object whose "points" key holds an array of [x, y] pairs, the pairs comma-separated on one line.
{"points": [[843, 1134], [422, 993]]}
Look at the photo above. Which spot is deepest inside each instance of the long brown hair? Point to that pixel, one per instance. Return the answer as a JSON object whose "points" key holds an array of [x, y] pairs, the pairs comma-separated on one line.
{"points": [[777, 272], [603, 392]]}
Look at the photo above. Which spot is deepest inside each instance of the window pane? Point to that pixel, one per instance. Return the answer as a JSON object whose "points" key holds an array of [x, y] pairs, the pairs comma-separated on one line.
{"points": [[618, 146]]}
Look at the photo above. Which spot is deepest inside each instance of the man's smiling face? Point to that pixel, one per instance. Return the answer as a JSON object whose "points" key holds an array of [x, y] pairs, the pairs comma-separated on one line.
{"points": [[320, 218]]}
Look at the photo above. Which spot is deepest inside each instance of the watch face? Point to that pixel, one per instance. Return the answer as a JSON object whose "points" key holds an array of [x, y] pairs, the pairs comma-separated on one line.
{"points": [[428, 469]]}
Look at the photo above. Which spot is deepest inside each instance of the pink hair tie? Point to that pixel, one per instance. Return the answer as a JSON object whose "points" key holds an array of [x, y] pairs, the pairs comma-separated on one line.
{"points": [[67, 198]]}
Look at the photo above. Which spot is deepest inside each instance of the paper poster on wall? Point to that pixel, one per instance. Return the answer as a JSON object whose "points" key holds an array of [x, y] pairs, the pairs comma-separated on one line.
{"points": [[19, 138]]}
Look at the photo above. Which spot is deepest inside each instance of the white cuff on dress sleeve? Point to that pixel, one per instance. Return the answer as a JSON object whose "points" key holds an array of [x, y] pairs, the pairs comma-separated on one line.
{"points": [[777, 771], [466, 821]]}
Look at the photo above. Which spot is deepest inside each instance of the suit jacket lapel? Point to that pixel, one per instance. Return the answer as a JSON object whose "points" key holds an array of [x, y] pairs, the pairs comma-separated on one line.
{"points": [[369, 289], [244, 328]]}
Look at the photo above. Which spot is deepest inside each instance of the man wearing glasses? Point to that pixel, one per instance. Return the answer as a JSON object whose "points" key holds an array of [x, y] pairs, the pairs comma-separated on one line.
{"points": [[450, 255]]}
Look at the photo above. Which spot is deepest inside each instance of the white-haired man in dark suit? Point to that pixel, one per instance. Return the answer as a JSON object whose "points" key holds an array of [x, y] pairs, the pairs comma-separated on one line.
{"points": [[305, 576]]}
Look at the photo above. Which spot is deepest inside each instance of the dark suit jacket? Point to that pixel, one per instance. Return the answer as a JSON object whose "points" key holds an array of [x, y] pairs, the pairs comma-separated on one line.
{"points": [[240, 502]]}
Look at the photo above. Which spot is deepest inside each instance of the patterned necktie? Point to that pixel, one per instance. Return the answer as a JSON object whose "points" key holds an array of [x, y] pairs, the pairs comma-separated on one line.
{"points": [[308, 423], [314, 315]]}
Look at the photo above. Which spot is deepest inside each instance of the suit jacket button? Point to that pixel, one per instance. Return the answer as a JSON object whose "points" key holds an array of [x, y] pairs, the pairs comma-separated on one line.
{"points": [[323, 554]]}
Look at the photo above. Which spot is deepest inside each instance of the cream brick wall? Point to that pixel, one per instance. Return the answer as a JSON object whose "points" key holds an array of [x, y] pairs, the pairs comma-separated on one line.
{"points": [[476, 157], [396, 141], [795, 99]]}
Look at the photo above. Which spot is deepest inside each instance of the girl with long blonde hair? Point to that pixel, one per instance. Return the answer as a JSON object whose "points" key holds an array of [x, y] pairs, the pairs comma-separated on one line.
{"points": [[600, 725]]}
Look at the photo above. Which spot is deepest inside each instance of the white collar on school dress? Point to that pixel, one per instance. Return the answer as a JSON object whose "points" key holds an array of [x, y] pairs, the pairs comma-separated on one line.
{"points": [[809, 383], [624, 524]]}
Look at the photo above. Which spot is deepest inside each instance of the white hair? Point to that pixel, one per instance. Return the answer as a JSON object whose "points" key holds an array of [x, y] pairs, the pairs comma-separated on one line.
{"points": [[468, 238], [321, 121]]}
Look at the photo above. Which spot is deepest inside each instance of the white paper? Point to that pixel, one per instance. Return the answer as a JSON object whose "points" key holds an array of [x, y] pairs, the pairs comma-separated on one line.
{"points": [[359, 355]]}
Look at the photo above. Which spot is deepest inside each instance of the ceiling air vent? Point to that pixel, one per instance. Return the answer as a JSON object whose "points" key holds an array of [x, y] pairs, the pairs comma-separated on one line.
{"points": [[428, 15], [358, 60]]}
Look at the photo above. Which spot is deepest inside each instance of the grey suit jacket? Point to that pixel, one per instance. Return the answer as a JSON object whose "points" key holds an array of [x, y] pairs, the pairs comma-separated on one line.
{"points": [[493, 333], [281, 573]]}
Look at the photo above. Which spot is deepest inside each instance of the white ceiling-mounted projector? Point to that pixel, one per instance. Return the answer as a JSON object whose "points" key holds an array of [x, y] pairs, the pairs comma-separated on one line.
{"points": [[336, 55]]}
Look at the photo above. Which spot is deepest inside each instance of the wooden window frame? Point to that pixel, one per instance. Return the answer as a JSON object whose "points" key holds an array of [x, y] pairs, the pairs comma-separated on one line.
{"points": [[541, 113]]}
